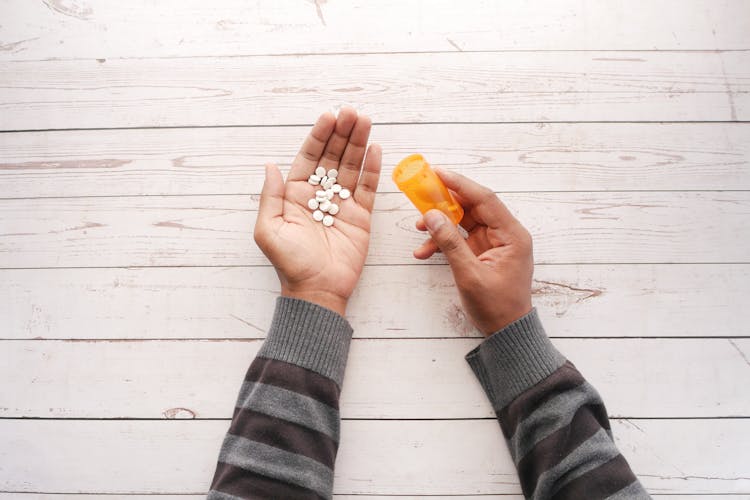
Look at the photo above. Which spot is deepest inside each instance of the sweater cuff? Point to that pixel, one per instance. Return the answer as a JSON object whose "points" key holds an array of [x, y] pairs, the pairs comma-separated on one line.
{"points": [[310, 336], [514, 359]]}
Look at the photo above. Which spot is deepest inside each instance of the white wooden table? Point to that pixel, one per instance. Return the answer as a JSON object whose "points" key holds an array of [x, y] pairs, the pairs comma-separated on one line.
{"points": [[132, 297]]}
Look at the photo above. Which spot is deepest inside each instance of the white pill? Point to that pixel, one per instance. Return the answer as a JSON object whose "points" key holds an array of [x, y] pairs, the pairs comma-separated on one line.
{"points": [[320, 171], [333, 209], [329, 194], [345, 193], [333, 173], [325, 206], [328, 221], [324, 179], [318, 215], [314, 180], [320, 193], [329, 183], [336, 188], [312, 203]]}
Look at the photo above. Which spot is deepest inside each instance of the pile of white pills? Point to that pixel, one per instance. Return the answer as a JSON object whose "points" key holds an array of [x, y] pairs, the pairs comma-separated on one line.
{"points": [[322, 205]]}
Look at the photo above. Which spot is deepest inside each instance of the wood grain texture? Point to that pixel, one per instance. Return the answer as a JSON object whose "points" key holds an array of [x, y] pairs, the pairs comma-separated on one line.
{"points": [[403, 88], [386, 379], [409, 301], [505, 157], [108, 496], [99, 29], [657, 227], [441, 457]]}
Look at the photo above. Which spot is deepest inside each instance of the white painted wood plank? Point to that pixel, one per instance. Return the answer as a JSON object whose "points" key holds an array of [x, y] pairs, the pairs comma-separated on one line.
{"points": [[376, 457], [682, 300], [216, 230], [449, 87], [506, 157], [97, 29], [58, 496], [394, 379]]}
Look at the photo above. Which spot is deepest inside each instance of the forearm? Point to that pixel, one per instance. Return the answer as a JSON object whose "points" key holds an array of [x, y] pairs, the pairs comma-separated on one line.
{"points": [[284, 434], [555, 423]]}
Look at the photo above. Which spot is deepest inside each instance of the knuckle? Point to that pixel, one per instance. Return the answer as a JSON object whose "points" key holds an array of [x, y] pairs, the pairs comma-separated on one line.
{"points": [[525, 239], [309, 156], [451, 241], [487, 195]]}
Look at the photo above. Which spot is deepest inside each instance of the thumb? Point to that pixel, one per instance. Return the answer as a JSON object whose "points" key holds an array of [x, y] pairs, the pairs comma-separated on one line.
{"points": [[272, 196], [449, 240]]}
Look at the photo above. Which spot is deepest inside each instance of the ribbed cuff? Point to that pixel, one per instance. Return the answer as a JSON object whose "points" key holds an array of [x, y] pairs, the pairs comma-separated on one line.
{"points": [[310, 336], [514, 359]]}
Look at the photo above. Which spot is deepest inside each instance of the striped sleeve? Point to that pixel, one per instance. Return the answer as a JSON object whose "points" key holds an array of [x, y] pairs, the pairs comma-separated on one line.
{"points": [[554, 422], [284, 434]]}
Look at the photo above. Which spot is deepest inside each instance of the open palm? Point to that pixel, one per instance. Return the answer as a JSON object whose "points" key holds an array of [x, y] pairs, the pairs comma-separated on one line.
{"points": [[314, 262]]}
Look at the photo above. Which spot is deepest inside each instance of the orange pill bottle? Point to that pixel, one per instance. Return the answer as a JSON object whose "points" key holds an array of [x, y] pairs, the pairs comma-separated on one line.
{"points": [[424, 188]]}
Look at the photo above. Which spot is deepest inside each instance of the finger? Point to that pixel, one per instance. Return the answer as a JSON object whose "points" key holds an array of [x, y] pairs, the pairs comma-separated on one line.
{"points": [[426, 250], [451, 243], [467, 222], [271, 203], [351, 162], [484, 204], [312, 148], [339, 138], [479, 242], [364, 194]]}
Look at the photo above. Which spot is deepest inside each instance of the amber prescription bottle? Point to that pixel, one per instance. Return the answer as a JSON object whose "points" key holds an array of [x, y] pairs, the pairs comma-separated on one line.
{"points": [[424, 188]]}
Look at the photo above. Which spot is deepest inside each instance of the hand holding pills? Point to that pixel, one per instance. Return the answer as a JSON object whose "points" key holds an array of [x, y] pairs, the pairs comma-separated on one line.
{"points": [[494, 265], [315, 227]]}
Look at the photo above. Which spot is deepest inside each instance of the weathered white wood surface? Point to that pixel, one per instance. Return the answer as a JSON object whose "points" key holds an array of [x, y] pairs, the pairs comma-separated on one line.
{"points": [[98, 28], [393, 379], [506, 157], [627, 227], [440, 457], [108, 496], [409, 301], [641, 230], [403, 88]]}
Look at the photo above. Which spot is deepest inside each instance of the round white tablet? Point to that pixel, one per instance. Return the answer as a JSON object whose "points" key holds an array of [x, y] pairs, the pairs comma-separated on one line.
{"points": [[312, 203], [333, 173], [320, 171], [328, 221], [333, 209], [318, 215], [345, 193]]}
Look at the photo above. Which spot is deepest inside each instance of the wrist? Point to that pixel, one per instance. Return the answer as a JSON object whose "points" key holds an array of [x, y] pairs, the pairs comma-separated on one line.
{"points": [[322, 298], [495, 324]]}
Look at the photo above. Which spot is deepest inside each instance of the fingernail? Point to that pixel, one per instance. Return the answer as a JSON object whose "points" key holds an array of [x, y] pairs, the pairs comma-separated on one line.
{"points": [[441, 171], [433, 219]]}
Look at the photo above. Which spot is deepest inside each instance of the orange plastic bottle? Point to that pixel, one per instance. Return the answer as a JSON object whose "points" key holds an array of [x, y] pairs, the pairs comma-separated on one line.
{"points": [[424, 188]]}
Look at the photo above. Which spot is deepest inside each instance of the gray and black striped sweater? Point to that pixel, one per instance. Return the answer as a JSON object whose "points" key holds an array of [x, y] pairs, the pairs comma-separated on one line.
{"points": [[284, 435]]}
